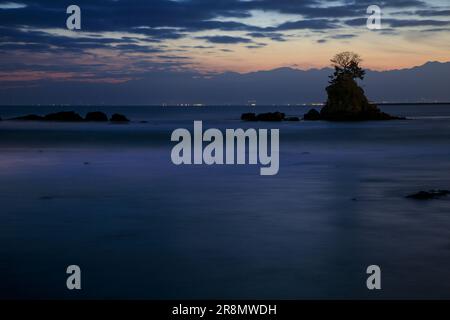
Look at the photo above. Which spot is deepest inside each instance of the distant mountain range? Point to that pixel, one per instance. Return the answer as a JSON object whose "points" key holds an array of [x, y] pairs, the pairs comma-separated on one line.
{"points": [[427, 83]]}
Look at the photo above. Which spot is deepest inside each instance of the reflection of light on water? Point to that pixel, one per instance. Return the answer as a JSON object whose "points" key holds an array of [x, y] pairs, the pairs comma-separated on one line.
{"points": [[14, 160]]}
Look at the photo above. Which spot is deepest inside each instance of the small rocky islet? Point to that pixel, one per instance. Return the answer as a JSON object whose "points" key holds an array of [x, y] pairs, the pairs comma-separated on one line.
{"points": [[71, 116], [346, 102], [429, 195], [346, 99]]}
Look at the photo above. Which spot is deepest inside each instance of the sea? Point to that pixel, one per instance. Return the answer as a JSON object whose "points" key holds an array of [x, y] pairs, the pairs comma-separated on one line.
{"points": [[107, 198]]}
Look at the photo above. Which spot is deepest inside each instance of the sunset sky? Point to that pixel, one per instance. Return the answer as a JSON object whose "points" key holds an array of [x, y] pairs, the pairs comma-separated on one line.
{"points": [[124, 40]]}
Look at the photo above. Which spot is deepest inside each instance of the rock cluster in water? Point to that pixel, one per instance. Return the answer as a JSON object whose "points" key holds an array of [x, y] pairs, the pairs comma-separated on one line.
{"points": [[70, 116], [312, 115], [270, 116], [119, 118], [347, 102], [428, 195], [96, 116]]}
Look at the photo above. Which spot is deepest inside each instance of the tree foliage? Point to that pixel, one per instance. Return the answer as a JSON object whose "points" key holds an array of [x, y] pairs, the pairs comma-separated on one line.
{"points": [[346, 65]]}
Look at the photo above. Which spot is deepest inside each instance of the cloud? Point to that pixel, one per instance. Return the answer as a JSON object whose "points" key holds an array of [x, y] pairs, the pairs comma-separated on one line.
{"points": [[400, 23], [396, 23], [158, 30], [225, 39], [343, 36], [11, 5], [270, 35], [430, 13], [256, 46], [162, 20], [317, 24]]}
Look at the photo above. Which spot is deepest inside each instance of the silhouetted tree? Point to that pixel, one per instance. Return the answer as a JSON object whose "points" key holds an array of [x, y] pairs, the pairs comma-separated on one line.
{"points": [[346, 65]]}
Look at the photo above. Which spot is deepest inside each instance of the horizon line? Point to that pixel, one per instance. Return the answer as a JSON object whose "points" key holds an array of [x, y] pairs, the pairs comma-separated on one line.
{"points": [[199, 105]]}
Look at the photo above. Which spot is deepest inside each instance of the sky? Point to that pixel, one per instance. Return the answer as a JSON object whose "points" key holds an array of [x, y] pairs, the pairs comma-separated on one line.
{"points": [[122, 41]]}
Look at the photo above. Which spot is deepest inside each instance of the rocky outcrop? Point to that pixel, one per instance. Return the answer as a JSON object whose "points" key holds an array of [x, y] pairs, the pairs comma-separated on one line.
{"points": [[71, 116], [312, 115], [347, 102], [29, 117], [119, 118], [248, 117], [269, 117], [65, 116], [96, 116], [429, 195]]}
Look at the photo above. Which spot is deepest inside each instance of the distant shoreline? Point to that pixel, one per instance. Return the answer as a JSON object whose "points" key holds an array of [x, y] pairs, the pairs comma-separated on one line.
{"points": [[409, 103], [216, 105]]}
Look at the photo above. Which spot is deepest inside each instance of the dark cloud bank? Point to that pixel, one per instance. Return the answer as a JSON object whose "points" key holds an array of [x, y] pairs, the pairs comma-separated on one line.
{"points": [[160, 20]]}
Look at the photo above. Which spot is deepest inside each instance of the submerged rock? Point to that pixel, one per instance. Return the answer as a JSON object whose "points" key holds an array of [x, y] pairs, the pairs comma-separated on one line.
{"points": [[428, 195], [312, 115], [119, 118], [96, 116], [29, 117], [271, 116], [347, 102], [248, 117], [65, 116]]}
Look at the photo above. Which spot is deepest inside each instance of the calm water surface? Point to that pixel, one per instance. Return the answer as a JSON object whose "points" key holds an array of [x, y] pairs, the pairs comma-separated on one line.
{"points": [[107, 198]]}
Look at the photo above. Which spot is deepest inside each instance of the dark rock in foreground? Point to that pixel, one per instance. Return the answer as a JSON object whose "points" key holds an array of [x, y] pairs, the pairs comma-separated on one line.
{"points": [[96, 116], [248, 117], [271, 116], [428, 195], [119, 118], [30, 117], [312, 115], [347, 102], [65, 116]]}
